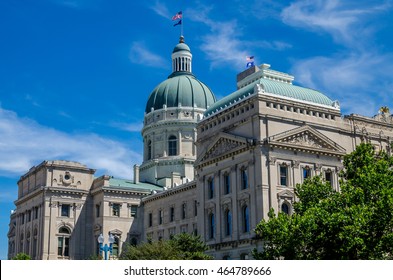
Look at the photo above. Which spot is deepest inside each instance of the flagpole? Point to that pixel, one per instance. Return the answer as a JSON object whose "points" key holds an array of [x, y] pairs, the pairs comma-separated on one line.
{"points": [[182, 23]]}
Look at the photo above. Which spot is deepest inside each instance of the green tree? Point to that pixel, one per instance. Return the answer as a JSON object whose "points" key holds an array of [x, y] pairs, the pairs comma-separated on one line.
{"points": [[355, 223], [181, 247], [21, 256]]}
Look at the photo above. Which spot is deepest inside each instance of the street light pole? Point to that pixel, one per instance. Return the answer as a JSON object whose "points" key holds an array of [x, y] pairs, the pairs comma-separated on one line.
{"points": [[105, 247]]}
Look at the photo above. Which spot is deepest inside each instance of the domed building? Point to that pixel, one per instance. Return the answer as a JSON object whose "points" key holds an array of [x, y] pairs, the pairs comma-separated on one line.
{"points": [[172, 111]]}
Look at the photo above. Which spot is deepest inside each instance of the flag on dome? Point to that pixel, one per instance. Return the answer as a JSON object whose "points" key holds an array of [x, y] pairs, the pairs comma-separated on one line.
{"points": [[178, 23], [179, 15]]}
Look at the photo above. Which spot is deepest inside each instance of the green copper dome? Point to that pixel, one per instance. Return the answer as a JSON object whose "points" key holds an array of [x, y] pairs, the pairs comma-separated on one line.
{"points": [[181, 47], [181, 89]]}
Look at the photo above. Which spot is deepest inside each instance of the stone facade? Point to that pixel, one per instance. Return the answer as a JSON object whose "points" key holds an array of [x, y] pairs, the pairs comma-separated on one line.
{"points": [[214, 170]]}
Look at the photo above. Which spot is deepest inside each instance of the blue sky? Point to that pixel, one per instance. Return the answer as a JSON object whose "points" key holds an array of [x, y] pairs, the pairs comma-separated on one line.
{"points": [[75, 74]]}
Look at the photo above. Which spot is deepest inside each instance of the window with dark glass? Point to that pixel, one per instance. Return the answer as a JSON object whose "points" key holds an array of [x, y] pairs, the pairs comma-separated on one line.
{"points": [[149, 150], [29, 215], [227, 183], [35, 212], [172, 213], [116, 209], [246, 219], [329, 177], [65, 210], [306, 172], [195, 208], [211, 226], [172, 145], [150, 219], [184, 211], [160, 217], [244, 179], [115, 247], [134, 210], [285, 208], [210, 188], [228, 222], [283, 175], [98, 210]]}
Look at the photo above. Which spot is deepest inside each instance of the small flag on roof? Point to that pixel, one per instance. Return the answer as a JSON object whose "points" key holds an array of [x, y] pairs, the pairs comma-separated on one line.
{"points": [[179, 15], [250, 61]]}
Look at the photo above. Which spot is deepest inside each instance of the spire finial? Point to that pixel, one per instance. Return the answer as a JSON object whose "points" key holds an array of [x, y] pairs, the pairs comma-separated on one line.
{"points": [[181, 40]]}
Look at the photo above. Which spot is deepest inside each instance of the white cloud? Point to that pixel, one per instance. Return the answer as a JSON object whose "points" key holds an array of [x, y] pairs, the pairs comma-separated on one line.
{"points": [[161, 9], [139, 54], [345, 22], [130, 127], [24, 143], [360, 81]]}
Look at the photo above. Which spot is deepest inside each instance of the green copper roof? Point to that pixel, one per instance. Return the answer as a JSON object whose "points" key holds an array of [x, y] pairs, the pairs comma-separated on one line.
{"points": [[181, 47], [180, 89], [129, 185], [275, 88]]}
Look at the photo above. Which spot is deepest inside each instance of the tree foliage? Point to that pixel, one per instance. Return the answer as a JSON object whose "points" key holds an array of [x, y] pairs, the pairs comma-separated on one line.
{"points": [[21, 256], [183, 246], [355, 223]]}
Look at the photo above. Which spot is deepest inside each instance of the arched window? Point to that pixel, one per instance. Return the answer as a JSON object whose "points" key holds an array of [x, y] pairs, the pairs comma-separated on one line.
{"points": [[63, 242], [172, 145], [244, 179], [246, 219], [211, 226], [149, 151], [228, 223], [285, 208]]}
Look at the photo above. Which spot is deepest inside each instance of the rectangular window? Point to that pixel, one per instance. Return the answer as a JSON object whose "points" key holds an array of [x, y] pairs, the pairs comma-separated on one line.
{"points": [[35, 212], [195, 208], [98, 210], [329, 177], [29, 216], [227, 184], [65, 210], [184, 211], [63, 246], [134, 210], [150, 219], [283, 175], [306, 172], [210, 186], [160, 217], [172, 214], [116, 209], [22, 218], [244, 179]]}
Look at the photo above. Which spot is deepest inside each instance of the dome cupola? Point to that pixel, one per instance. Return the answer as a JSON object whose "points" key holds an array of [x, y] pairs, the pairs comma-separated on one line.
{"points": [[182, 88]]}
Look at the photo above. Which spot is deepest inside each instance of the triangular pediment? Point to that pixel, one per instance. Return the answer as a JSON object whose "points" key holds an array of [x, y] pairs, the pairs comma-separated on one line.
{"points": [[223, 145], [306, 138]]}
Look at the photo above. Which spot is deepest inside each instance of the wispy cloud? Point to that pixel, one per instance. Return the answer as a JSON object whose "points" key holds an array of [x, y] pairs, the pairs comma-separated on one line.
{"points": [[130, 127], [335, 17], [140, 54], [24, 143], [161, 9], [358, 75], [355, 80]]}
